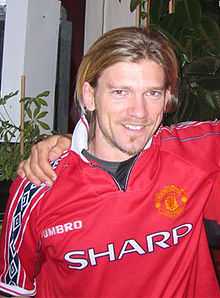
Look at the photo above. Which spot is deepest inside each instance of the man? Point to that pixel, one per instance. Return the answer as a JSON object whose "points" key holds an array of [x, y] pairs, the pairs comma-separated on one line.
{"points": [[124, 217]]}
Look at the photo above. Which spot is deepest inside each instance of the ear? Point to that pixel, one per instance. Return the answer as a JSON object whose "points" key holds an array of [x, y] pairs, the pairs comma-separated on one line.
{"points": [[88, 97]]}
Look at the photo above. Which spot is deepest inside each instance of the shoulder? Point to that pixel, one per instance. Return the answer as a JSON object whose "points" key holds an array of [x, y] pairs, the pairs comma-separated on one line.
{"points": [[191, 131], [197, 143], [67, 156], [24, 194], [24, 197]]}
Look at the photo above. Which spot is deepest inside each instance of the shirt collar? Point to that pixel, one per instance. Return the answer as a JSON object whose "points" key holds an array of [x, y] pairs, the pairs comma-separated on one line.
{"points": [[80, 137]]}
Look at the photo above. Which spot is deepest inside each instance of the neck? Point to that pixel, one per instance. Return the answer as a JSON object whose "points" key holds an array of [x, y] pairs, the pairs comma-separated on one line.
{"points": [[98, 152]]}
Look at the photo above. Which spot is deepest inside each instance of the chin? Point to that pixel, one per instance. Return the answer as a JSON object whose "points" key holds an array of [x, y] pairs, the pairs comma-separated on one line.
{"points": [[133, 150]]}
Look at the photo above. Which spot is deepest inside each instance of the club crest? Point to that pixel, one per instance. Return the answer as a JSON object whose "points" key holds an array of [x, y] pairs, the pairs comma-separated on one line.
{"points": [[171, 200]]}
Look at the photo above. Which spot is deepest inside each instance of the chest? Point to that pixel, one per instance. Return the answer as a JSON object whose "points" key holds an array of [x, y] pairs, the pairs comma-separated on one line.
{"points": [[97, 218]]}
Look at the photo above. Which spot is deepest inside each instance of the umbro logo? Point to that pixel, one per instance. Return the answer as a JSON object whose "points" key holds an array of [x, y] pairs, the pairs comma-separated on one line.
{"points": [[62, 228]]}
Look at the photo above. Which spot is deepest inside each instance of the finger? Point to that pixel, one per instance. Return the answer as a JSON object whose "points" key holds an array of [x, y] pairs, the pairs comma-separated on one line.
{"points": [[29, 174], [24, 171], [38, 166], [42, 161], [62, 144], [20, 171]]}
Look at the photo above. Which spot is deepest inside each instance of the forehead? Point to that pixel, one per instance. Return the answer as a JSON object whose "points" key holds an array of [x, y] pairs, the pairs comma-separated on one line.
{"points": [[145, 71]]}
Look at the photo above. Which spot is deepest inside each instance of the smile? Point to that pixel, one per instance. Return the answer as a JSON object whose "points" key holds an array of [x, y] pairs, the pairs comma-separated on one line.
{"points": [[134, 127]]}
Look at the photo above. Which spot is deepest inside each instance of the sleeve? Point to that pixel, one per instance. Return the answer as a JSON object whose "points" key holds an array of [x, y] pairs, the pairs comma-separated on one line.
{"points": [[19, 243]]}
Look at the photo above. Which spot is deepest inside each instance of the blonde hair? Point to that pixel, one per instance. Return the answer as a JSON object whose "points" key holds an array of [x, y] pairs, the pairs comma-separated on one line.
{"points": [[128, 44]]}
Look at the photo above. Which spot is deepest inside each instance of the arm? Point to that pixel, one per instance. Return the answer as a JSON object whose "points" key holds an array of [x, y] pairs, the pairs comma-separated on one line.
{"points": [[37, 167], [19, 242]]}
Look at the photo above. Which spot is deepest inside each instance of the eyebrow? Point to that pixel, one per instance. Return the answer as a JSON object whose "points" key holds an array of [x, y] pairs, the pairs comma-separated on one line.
{"points": [[111, 86], [162, 88]]}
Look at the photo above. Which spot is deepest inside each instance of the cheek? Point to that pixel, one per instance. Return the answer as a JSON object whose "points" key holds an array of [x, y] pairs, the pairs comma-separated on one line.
{"points": [[110, 110], [157, 109], [105, 114]]}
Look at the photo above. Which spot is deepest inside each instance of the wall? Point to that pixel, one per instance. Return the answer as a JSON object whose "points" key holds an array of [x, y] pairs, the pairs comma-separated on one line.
{"points": [[30, 48], [104, 15]]}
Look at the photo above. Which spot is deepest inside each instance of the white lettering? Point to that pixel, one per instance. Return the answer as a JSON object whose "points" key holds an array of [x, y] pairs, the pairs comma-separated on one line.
{"points": [[180, 232], [93, 256], [51, 231], [68, 227], [162, 239], [59, 229], [77, 224], [69, 257], [135, 248], [151, 242]]}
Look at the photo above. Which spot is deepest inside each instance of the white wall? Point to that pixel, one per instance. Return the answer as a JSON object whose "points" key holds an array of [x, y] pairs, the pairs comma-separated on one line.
{"points": [[118, 14], [104, 15], [13, 52], [93, 22], [30, 49]]}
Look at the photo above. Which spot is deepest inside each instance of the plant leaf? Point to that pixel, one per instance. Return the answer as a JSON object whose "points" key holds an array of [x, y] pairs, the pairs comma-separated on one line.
{"points": [[42, 101], [36, 110], [158, 9], [134, 4], [193, 11], [211, 33], [44, 125], [29, 112], [42, 115], [43, 94]]}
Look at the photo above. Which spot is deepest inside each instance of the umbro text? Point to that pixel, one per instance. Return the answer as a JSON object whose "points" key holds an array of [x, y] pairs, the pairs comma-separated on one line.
{"points": [[62, 228]]}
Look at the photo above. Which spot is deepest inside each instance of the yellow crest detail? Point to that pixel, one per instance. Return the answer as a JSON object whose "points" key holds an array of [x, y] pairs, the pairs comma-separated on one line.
{"points": [[171, 200]]}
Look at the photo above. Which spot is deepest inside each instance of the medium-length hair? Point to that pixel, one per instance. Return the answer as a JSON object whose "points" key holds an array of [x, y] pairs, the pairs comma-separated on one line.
{"points": [[127, 44]]}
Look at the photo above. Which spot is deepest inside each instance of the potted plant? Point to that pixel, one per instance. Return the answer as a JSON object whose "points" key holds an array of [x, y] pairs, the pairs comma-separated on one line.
{"points": [[193, 28], [16, 140]]}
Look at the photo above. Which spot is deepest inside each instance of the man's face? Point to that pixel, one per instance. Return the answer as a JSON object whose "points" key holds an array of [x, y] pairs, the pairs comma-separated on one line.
{"points": [[129, 101]]}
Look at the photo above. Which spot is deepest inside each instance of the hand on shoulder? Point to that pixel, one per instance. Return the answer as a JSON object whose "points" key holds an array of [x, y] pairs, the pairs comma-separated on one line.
{"points": [[37, 167]]}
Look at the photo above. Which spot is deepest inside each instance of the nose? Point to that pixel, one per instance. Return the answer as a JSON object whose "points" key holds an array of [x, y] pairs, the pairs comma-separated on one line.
{"points": [[138, 107]]}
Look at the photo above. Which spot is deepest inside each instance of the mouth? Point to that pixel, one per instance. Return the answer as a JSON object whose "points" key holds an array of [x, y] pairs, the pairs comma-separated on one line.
{"points": [[134, 127]]}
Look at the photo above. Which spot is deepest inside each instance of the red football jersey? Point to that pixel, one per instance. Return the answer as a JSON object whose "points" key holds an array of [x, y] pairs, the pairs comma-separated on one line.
{"points": [[86, 238]]}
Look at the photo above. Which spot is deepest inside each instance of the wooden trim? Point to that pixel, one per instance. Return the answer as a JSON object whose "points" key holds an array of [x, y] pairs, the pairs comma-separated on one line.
{"points": [[22, 96]]}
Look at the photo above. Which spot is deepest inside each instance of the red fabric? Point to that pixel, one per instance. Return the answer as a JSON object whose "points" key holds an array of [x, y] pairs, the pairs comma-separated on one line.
{"points": [[85, 238]]}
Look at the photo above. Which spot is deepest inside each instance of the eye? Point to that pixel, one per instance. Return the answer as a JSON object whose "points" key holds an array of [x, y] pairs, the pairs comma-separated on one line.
{"points": [[154, 93], [120, 92]]}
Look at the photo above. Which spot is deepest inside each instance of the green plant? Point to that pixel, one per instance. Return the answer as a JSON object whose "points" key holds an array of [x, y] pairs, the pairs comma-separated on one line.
{"points": [[14, 137], [195, 34]]}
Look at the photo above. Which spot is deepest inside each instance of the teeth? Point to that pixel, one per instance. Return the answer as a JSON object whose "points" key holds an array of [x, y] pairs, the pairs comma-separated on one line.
{"points": [[134, 127]]}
